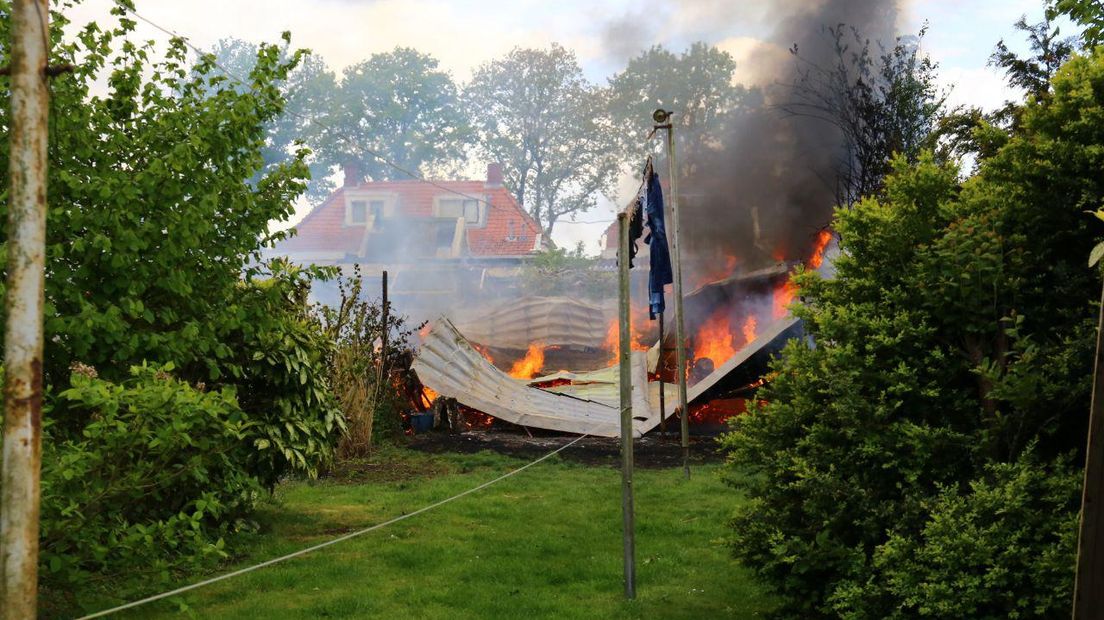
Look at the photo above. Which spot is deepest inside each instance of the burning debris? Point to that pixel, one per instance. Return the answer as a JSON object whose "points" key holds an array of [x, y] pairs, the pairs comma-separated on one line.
{"points": [[531, 365]]}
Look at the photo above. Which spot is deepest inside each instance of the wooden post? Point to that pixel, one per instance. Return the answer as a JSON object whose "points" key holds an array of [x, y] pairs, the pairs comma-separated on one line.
{"points": [[22, 448], [385, 309], [680, 323], [625, 362], [1088, 585]]}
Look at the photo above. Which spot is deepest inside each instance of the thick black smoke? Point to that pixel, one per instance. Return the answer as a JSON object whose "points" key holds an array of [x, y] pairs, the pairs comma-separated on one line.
{"points": [[766, 190]]}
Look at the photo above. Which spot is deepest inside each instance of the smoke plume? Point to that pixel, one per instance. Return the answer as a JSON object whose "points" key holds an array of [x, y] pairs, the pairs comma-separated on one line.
{"points": [[763, 193]]}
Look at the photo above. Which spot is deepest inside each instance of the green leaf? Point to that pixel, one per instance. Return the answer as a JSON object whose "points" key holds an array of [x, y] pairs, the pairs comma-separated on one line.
{"points": [[1096, 254]]}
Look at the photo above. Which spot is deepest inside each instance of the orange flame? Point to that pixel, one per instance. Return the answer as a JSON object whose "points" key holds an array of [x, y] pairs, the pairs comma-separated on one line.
{"points": [[750, 325], [719, 269], [613, 338], [717, 411], [423, 333], [530, 365], [822, 240], [483, 351], [429, 395], [714, 339], [783, 296]]}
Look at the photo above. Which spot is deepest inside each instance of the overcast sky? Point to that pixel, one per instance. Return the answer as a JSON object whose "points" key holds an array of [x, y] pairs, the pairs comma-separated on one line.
{"points": [[462, 34]]}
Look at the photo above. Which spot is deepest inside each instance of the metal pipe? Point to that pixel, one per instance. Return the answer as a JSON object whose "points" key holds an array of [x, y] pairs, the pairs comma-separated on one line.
{"points": [[625, 362], [1088, 584], [680, 323], [22, 448], [659, 373]]}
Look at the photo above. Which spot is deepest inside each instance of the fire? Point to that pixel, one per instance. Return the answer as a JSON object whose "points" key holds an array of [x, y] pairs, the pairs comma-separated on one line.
{"points": [[476, 420], [714, 340], [429, 395], [717, 411], [722, 267], [822, 240], [750, 326], [638, 340], [423, 333], [484, 352], [530, 365], [783, 296]]}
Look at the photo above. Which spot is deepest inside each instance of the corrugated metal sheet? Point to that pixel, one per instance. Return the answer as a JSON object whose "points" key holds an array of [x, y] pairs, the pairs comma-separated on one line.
{"points": [[517, 323], [773, 332], [449, 365]]}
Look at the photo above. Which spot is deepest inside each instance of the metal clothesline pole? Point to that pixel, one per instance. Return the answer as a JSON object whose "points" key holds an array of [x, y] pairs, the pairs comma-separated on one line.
{"points": [[662, 392], [662, 119], [624, 356]]}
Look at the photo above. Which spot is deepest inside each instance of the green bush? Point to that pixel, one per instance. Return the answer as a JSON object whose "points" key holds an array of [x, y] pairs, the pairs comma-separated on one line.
{"points": [[974, 556], [951, 373], [364, 383], [281, 370], [156, 477], [159, 215]]}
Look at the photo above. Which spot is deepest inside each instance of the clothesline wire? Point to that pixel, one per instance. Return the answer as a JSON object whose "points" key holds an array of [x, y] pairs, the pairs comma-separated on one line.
{"points": [[314, 121], [333, 541]]}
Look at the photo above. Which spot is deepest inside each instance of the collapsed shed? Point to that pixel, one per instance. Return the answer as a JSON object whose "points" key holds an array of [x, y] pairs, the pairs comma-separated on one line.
{"points": [[586, 402]]}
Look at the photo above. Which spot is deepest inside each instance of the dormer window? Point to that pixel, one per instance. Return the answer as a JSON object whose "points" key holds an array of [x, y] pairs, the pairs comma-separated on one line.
{"points": [[451, 208], [511, 231], [365, 210], [358, 212]]}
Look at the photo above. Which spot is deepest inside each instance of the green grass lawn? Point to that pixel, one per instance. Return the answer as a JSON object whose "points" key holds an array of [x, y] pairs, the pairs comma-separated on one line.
{"points": [[543, 544]]}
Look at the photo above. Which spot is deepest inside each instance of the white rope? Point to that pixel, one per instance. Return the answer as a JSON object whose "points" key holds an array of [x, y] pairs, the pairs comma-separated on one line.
{"points": [[307, 550]]}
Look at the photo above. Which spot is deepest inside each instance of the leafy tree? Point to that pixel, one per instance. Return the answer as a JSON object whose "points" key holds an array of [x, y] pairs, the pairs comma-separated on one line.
{"points": [[883, 101], [308, 92], [159, 211], [899, 461], [1033, 74], [696, 84], [973, 131], [538, 115], [399, 106], [1087, 13], [149, 233], [567, 272]]}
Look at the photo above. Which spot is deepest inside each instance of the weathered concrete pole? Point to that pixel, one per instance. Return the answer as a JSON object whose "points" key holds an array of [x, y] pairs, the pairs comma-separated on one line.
{"points": [[22, 448]]}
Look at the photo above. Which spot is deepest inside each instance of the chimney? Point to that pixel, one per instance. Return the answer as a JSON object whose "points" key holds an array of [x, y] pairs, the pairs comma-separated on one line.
{"points": [[353, 176], [494, 175]]}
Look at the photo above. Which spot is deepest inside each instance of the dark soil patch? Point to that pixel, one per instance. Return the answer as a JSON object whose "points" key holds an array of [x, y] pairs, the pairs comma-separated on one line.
{"points": [[386, 466], [651, 451]]}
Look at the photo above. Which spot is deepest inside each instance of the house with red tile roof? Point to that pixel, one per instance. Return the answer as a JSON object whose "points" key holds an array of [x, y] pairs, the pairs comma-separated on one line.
{"points": [[410, 221], [442, 243]]}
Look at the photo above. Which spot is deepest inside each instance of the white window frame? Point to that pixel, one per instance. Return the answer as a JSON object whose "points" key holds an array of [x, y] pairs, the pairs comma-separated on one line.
{"points": [[465, 204], [386, 210]]}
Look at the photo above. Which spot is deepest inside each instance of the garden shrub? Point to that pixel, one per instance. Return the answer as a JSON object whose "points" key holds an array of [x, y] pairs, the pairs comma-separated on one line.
{"points": [[156, 477], [979, 549], [281, 370], [368, 397], [159, 218], [920, 450]]}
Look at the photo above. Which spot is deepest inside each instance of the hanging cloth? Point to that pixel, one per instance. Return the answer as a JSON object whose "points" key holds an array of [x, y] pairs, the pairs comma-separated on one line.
{"points": [[660, 256]]}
